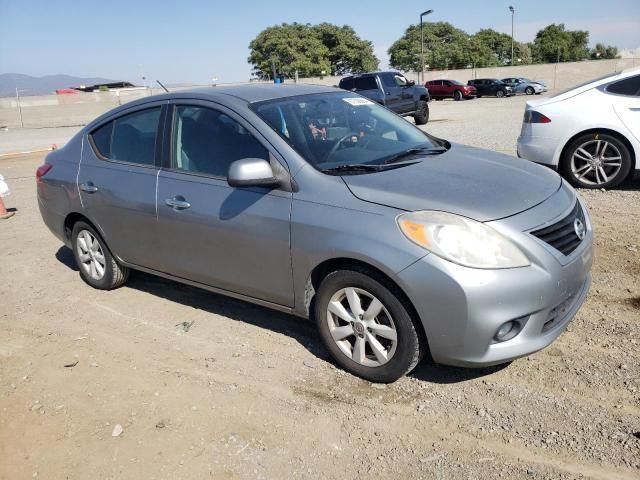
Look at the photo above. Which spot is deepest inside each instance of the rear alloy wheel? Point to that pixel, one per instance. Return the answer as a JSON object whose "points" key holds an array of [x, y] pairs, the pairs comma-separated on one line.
{"points": [[366, 328], [421, 117], [500, 93], [529, 91], [97, 266], [596, 160], [457, 95]]}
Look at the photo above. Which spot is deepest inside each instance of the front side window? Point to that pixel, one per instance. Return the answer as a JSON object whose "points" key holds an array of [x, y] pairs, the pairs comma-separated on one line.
{"points": [[388, 79], [334, 129], [400, 80], [130, 138], [629, 86], [207, 141]]}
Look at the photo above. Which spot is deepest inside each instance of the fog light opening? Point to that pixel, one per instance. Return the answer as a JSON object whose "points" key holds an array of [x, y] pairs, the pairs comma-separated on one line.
{"points": [[507, 331]]}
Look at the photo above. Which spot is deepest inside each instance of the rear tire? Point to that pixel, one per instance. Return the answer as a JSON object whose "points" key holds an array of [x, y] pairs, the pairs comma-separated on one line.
{"points": [[97, 266], [596, 160], [421, 117], [359, 341]]}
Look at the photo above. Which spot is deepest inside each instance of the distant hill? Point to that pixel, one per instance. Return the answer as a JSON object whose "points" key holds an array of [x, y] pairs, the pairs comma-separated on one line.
{"points": [[29, 85]]}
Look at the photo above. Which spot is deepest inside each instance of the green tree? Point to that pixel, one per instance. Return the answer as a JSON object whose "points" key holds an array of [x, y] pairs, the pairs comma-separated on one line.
{"points": [[554, 43], [310, 50], [348, 53], [445, 46], [498, 43], [604, 52]]}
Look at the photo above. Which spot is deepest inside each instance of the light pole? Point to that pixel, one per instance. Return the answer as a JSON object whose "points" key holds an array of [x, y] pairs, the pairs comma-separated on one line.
{"points": [[423, 14], [513, 11]]}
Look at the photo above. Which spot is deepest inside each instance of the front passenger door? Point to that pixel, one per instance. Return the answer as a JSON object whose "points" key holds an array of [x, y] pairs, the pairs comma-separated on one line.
{"points": [[235, 239]]}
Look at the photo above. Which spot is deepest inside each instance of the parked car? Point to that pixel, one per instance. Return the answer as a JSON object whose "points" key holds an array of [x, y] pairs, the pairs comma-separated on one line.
{"points": [[394, 91], [322, 203], [491, 87], [589, 133], [524, 85], [439, 89]]}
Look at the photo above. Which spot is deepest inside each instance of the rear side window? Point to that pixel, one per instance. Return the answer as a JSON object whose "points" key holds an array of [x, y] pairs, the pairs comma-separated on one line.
{"points": [[347, 83], [366, 83], [130, 138], [629, 86]]}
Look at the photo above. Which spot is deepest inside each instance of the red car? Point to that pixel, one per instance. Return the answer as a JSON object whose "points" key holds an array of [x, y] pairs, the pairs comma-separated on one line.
{"points": [[439, 89]]}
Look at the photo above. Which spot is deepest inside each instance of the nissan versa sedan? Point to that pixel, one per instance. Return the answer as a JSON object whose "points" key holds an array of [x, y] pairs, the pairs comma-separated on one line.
{"points": [[321, 203]]}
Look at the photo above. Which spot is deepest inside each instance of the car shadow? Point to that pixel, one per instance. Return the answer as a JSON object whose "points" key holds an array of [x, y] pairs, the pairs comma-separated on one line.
{"points": [[301, 330]]}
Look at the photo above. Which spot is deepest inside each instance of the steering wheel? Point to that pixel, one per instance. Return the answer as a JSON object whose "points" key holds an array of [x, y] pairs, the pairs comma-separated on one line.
{"points": [[361, 143]]}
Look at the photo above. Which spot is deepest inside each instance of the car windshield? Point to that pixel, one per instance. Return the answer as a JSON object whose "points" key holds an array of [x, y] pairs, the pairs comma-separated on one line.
{"points": [[340, 130]]}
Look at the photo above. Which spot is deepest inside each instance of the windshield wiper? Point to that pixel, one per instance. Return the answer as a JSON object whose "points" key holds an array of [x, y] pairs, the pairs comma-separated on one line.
{"points": [[414, 151], [356, 167], [362, 167]]}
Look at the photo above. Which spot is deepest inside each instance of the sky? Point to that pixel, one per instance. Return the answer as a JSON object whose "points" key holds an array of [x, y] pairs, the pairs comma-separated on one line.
{"points": [[193, 41]]}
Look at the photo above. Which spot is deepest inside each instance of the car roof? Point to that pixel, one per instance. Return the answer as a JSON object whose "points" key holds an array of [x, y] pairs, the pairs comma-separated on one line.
{"points": [[243, 93], [256, 92], [368, 74]]}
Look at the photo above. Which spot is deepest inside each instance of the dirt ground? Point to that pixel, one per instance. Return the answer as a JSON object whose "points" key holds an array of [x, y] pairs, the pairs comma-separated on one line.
{"points": [[208, 387]]}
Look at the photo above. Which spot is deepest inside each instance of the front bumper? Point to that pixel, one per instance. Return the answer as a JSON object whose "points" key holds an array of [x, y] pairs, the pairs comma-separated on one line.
{"points": [[462, 308]]}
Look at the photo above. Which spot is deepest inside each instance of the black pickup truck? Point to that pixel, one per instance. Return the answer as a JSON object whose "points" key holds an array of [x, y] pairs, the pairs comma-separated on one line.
{"points": [[392, 90]]}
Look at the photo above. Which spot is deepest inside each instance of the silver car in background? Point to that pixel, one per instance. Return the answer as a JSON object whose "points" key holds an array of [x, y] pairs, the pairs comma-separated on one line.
{"points": [[524, 85], [321, 203]]}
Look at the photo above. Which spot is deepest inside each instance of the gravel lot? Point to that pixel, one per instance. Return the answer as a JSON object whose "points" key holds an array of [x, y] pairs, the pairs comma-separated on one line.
{"points": [[201, 386]]}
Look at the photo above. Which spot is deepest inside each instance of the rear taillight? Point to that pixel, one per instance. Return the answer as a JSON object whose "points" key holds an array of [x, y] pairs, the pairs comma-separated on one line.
{"points": [[531, 116], [42, 171]]}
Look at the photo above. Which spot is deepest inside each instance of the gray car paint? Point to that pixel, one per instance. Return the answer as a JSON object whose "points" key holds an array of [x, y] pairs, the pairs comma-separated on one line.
{"points": [[321, 220]]}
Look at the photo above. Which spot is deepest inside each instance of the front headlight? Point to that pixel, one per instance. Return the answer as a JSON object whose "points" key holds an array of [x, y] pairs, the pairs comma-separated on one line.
{"points": [[461, 240]]}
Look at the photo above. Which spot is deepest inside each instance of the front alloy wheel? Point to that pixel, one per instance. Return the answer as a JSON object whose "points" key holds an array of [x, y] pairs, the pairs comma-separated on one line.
{"points": [[361, 327], [596, 161], [366, 326]]}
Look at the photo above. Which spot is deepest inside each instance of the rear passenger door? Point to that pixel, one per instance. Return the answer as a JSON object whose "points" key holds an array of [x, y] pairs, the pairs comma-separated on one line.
{"points": [[117, 181], [235, 239]]}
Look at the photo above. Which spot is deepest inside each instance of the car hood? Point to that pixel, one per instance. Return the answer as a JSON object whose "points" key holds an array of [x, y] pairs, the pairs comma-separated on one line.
{"points": [[467, 181]]}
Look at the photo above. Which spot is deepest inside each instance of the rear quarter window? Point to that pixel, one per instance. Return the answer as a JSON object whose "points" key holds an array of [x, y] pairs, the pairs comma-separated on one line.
{"points": [[101, 138], [629, 86]]}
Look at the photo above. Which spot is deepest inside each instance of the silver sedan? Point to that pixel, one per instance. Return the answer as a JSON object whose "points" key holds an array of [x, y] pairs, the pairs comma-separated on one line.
{"points": [[323, 204]]}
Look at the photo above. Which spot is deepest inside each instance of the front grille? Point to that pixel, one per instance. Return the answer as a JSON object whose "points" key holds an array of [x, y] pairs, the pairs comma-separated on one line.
{"points": [[562, 235]]}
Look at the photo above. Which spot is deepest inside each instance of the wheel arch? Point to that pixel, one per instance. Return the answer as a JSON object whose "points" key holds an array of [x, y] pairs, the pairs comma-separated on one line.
{"points": [[71, 219], [608, 131], [328, 266]]}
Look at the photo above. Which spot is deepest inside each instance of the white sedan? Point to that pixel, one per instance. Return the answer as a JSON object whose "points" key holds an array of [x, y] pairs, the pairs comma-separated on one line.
{"points": [[590, 133]]}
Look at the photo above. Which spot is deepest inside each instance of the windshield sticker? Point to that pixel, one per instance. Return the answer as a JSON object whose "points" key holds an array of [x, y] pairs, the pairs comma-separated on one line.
{"points": [[357, 101]]}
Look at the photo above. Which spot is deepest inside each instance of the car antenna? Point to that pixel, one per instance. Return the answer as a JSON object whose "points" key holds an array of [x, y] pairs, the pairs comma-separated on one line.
{"points": [[165, 88]]}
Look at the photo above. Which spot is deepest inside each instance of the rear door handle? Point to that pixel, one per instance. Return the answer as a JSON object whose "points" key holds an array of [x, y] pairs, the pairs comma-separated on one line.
{"points": [[88, 187], [177, 203]]}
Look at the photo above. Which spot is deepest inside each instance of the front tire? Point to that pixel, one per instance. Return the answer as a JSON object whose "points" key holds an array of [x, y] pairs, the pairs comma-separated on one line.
{"points": [[596, 160], [421, 117], [367, 328], [500, 93], [97, 266], [457, 95], [529, 91]]}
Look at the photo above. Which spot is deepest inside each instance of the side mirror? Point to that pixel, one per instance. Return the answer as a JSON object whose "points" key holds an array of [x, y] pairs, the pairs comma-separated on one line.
{"points": [[251, 172], [410, 83]]}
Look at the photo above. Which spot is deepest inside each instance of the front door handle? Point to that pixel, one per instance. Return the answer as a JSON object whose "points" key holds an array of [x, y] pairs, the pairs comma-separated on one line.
{"points": [[88, 187], [177, 203]]}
